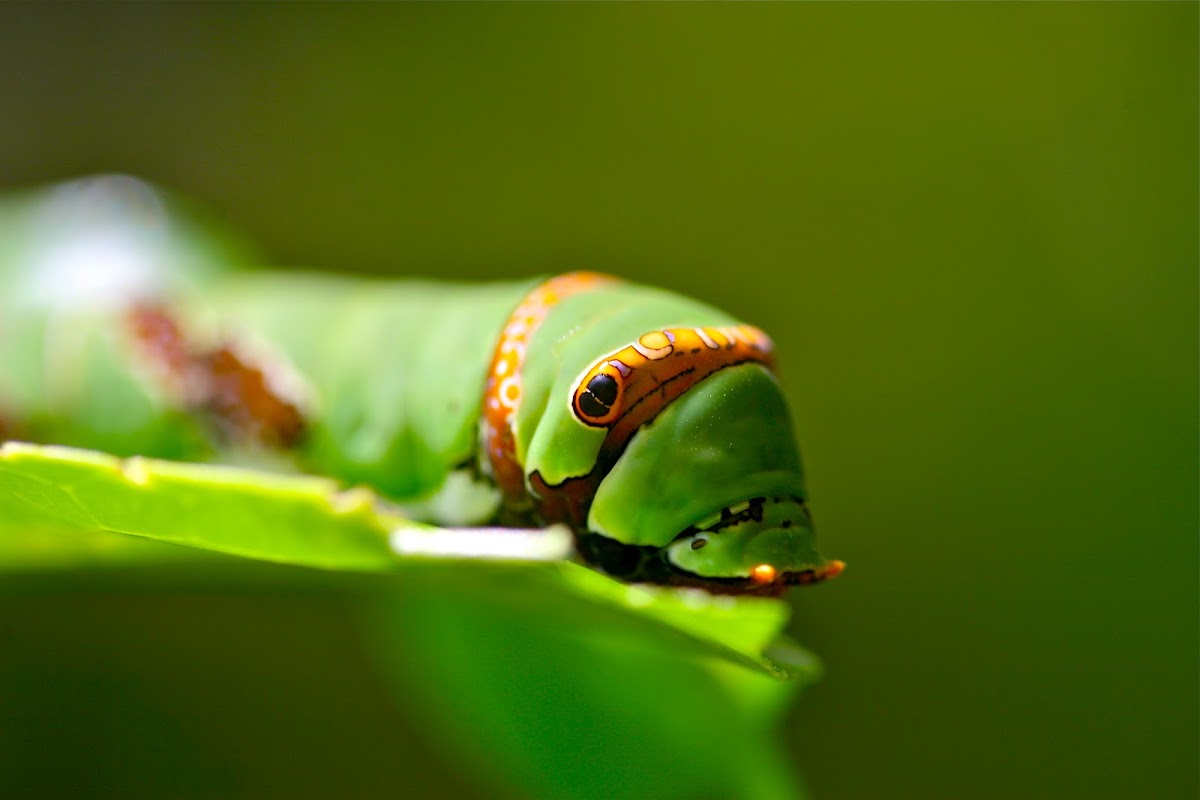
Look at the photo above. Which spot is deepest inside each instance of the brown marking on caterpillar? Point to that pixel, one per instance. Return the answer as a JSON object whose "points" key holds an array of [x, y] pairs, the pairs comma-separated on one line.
{"points": [[163, 347], [240, 398], [220, 383]]}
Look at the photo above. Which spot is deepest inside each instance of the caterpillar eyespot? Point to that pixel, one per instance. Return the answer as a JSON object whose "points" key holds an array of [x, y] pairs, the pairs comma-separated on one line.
{"points": [[649, 423]]}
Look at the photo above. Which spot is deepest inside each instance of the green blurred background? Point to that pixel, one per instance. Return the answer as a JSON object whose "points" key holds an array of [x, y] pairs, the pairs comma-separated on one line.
{"points": [[971, 228]]}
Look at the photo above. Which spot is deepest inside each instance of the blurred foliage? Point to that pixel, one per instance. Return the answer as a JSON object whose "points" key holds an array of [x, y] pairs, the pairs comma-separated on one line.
{"points": [[971, 229]]}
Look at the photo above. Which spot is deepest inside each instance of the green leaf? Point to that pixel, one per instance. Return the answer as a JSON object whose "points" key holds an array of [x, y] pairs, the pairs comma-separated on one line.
{"points": [[284, 518], [67, 507], [594, 709]]}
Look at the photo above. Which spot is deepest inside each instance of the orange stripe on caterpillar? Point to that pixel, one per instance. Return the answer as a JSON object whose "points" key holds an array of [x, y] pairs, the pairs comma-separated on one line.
{"points": [[663, 363], [503, 392]]}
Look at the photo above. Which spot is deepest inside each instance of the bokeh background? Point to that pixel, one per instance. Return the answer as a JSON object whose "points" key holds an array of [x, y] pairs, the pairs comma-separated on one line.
{"points": [[971, 228]]}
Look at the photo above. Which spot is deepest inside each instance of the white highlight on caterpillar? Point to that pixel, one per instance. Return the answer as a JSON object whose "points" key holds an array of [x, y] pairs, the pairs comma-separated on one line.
{"points": [[619, 366], [503, 544], [99, 242], [704, 337]]}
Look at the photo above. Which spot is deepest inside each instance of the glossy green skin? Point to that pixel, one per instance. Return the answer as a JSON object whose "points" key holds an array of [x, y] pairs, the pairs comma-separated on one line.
{"points": [[725, 441], [395, 369], [391, 377]]}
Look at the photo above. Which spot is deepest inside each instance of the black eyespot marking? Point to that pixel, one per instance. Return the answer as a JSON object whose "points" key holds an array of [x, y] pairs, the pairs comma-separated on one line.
{"points": [[787, 523], [604, 388], [591, 406], [698, 543]]}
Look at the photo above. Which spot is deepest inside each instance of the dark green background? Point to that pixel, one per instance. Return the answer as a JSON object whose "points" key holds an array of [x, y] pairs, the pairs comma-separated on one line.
{"points": [[972, 230]]}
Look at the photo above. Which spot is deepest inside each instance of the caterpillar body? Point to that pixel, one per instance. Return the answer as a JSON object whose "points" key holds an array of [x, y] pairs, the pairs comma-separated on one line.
{"points": [[650, 423]]}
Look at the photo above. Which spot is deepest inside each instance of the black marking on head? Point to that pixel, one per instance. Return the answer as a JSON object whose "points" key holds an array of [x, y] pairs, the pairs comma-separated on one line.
{"points": [[638, 563], [591, 406], [604, 389], [690, 530], [698, 543], [728, 519]]}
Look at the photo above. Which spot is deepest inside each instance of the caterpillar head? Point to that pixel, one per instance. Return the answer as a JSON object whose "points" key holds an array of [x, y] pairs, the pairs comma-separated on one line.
{"points": [[711, 493], [672, 457]]}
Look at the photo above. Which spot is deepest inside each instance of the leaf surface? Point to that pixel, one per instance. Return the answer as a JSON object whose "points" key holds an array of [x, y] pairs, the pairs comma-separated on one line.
{"points": [[63, 507]]}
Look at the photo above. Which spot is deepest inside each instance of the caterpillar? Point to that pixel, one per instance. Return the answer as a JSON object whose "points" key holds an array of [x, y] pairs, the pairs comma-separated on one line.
{"points": [[650, 423]]}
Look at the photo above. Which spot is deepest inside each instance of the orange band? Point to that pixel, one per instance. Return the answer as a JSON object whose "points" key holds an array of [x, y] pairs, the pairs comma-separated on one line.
{"points": [[667, 362], [503, 392]]}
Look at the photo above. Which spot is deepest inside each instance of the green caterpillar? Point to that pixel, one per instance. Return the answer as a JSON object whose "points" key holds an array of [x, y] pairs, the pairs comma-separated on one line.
{"points": [[650, 423]]}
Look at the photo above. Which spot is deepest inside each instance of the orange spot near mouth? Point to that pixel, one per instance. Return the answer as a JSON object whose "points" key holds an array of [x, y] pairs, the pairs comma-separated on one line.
{"points": [[833, 569], [763, 573]]}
